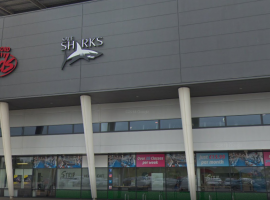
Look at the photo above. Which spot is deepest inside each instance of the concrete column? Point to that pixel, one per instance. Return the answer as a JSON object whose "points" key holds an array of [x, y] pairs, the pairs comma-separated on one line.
{"points": [[185, 107], [4, 119], [89, 141]]}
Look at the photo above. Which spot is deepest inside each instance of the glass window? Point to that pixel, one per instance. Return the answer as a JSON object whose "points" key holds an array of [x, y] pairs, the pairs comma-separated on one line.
{"points": [[243, 120], [208, 122], [214, 179], [101, 178], [114, 126], [96, 128], [266, 118], [170, 123], [151, 178], [123, 178], [14, 131], [144, 125], [3, 178], [78, 128], [35, 130], [248, 179], [267, 177], [44, 181], [69, 179], [2, 162], [176, 179], [60, 129], [22, 178], [23, 162]]}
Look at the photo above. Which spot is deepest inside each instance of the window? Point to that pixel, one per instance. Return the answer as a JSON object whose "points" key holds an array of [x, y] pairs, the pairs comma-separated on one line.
{"points": [[96, 127], [266, 118], [170, 123], [35, 130], [23, 162], [248, 179], [208, 122], [78, 128], [114, 126], [144, 125], [15, 131], [69, 179], [123, 177], [243, 120], [60, 129]]}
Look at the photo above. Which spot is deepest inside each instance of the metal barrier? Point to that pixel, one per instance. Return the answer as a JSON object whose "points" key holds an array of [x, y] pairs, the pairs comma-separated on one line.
{"points": [[144, 196], [160, 197], [126, 196], [210, 198]]}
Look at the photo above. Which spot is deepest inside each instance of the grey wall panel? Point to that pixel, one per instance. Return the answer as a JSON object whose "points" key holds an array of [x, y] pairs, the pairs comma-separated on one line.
{"points": [[225, 71], [45, 75], [234, 40], [41, 39], [225, 26], [43, 15], [130, 13], [141, 51], [188, 5], [137, 25], [130, 66], [217, 57], [139, 38], [142, 79], [105, 5], [40, 88], [38, 51], [231, 11], [64, 24]]}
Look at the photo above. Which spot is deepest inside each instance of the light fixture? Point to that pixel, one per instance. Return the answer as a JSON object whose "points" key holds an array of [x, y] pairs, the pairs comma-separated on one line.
{"points": [[22, 163]]}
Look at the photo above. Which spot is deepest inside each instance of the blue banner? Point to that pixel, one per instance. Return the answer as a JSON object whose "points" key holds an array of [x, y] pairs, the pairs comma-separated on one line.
{"points": [[212, 159]]}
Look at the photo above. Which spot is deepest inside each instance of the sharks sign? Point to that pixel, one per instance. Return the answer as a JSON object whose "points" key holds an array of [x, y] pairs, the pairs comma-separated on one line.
{"points": [[80, 50]]}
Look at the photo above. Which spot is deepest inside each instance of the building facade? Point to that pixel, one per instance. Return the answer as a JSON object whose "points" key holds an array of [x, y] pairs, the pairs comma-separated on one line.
{"points": [[145, 99]]}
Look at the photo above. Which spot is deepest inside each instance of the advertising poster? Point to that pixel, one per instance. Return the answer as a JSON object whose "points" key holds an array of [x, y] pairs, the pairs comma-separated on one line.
{"points": [[157, 181], [69, 161], [17, 179], [118, 160], [150, 160], [246, 158], [266, 156], [176, 160], [212, 159], [44, 162]]}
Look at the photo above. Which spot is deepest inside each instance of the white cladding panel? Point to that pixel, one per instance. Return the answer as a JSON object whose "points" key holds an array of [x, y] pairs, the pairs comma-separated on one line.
{"points": [[145, 141]]}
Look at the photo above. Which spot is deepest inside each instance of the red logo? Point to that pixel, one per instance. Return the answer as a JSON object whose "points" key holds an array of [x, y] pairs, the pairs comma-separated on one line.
{"points": [[9, 63]]}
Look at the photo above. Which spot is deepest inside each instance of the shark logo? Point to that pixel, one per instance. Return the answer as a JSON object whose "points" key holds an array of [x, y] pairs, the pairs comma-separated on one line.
{"points": [[80, 53]]}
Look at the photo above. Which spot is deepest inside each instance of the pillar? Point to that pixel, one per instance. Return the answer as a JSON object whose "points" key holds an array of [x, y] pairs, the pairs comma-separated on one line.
{"points": [[4, 120], [89, 143], [185, 108]]}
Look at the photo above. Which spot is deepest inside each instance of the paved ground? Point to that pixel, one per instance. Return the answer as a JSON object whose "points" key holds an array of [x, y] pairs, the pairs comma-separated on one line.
{"points": [[32, 198]]}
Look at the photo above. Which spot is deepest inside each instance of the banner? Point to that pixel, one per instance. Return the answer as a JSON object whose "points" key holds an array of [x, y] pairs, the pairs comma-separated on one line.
{"points": [[69, 161], [176, 160], [150, 160], [266, 156], [44, 162], [245, 158], [117, 160], [212, 159]]}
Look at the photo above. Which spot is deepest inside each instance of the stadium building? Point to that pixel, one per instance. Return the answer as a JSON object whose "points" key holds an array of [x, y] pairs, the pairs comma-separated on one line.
{"points": [[135, 99]]}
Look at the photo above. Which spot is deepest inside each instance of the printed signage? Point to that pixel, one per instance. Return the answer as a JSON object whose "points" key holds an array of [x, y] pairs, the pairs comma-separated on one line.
{"points": [[82, 50], [266, 156], [9, 63], [176, 160], [150, 160], [118, 160], [245, 158], [212, 159]]}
